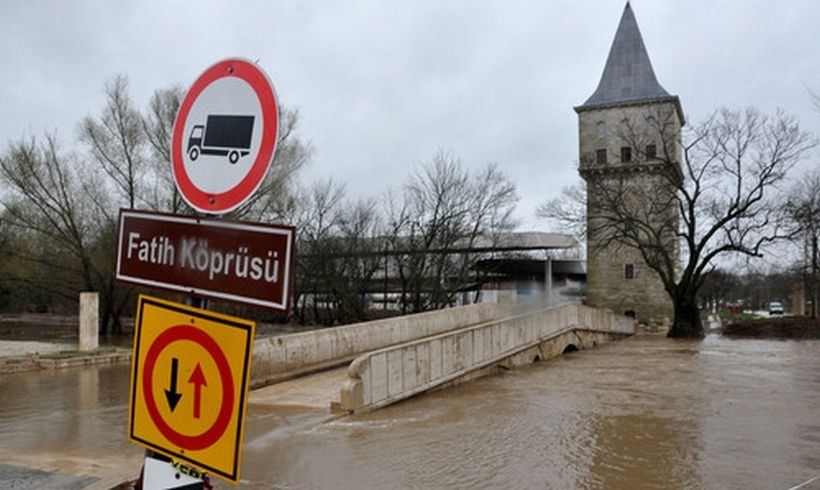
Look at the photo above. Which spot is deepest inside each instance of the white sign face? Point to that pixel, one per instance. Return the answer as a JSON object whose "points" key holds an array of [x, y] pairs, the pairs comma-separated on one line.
{"points": [[167, 475], [213, 171], [224, 136]]}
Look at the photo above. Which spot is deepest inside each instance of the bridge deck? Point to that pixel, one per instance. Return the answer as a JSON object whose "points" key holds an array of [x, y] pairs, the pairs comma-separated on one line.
{"points": [[391, 373], [318, 390]]}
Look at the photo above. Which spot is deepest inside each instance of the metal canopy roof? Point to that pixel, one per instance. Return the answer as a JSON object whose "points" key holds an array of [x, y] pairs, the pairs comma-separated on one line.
{"points": [[505, 242], [527, 240]]}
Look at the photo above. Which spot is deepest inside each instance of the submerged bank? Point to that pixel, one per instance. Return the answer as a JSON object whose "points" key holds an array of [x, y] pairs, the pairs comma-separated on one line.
{"points": [[790, 327]]}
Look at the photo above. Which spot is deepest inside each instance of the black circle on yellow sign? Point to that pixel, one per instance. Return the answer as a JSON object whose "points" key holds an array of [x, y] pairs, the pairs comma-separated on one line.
{"points": [[223, 419]]}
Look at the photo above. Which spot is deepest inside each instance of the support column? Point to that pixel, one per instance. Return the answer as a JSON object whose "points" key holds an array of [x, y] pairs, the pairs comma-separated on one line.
{"points": [[548, 279], [89, 321]]}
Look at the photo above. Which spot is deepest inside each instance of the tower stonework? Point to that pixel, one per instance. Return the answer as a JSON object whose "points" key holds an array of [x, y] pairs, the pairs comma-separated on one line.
{"points": [[629, 134]]}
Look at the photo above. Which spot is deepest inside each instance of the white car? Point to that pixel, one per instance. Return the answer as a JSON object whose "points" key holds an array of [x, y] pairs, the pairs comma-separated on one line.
{"points": [[775, 308]]}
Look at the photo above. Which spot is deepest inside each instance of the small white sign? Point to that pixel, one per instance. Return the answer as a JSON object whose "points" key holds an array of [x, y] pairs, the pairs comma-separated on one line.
{"points": [[161, 475]]}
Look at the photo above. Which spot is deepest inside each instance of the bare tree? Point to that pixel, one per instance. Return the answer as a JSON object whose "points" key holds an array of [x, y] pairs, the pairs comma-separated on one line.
{"points": [[355, 259], [117, 142], [53, 203], [803, 209], [338, 255], [275, 197], [568, 212], [316, 218], [718, 284], [135, 154], [722, 201], [815, 100], [63, 207], [445, 208], [433, 217], [158, 126]]}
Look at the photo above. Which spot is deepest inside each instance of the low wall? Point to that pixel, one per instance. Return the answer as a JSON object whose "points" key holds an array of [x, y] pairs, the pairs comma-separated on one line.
{"points": [[388, 375], [283, 357], [65, 359]]}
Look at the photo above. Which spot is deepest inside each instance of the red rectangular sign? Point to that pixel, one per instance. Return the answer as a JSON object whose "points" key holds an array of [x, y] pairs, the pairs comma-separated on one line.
{"points": [[236, 261]]}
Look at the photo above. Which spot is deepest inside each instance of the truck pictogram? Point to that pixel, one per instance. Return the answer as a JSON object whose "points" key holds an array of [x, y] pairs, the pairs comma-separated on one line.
{"points": [[222, 135]]}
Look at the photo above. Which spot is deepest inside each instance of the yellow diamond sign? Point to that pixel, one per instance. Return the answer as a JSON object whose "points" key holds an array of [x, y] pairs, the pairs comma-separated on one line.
{"points": [[190, 372]]}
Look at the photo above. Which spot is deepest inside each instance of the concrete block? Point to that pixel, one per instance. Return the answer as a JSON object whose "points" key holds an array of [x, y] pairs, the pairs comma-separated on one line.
{"points": [[488, 342], [352, 398], [323, 349], [89, 321], [366, 378], [362, 339], [294, 353], [530, 327], [406, 331], [408, 377], [378, 338], [378, 377], [395, 372], [261, 369], [447, 355], [464, 350], [423, 363], [504, 335], [478, 344], [435, 359], [497, 338], [262, 366]]}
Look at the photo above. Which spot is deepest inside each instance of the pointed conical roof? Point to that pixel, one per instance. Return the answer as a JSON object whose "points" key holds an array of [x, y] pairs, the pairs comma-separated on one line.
{"points": [[628, 75]]}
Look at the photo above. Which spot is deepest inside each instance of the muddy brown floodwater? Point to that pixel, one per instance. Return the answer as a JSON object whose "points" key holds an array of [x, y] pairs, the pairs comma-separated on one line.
{"points": [[646, 412]]}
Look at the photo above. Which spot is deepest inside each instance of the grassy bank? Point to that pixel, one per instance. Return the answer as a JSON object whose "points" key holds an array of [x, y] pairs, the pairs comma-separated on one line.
{"points": [[789, 327]]}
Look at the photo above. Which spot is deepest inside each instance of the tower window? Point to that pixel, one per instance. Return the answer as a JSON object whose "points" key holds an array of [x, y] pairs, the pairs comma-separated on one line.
{"points": [[626, 128], [651, 151], [626, 154], [600, 156], [600, 129], [650, 125], [629, 271]]}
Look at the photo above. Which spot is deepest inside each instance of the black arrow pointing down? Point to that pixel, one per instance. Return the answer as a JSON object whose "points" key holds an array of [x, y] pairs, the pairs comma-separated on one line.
{"points": [[171, 394]]}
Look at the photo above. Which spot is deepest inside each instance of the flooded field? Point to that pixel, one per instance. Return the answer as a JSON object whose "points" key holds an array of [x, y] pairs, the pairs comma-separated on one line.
{"points": [[647, 412]]}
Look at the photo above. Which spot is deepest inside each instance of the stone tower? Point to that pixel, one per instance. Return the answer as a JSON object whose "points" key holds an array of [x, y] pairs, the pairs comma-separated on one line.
{"points": [[629, 131]]}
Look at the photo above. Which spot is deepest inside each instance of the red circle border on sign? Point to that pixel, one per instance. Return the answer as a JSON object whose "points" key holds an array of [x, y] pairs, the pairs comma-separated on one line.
{"points": [[224, 202], [223, 419]]}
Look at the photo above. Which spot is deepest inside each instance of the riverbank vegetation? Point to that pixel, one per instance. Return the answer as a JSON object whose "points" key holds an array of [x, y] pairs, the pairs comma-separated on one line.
{"points": [[789, 327]]}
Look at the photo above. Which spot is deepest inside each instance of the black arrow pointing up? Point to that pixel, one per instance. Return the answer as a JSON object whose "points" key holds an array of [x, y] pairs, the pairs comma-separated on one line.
{"points": [[171, 393]]}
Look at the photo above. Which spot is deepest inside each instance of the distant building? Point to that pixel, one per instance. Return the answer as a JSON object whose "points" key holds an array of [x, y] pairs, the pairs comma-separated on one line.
{"points": [[627, 124], [510, 267], [525, 279]]}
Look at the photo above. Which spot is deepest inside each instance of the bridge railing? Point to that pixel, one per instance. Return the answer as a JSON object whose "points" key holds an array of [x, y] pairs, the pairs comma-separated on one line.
{"points": [[388, 375], [279, 358]]}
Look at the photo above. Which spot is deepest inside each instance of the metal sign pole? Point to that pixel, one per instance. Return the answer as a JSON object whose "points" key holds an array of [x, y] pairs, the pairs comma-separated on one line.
{"points": [[158, 470], [202, 130]]}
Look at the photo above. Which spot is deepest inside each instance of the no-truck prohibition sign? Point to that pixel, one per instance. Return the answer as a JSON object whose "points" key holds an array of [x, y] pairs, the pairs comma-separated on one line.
{"points": [[224, 136]]}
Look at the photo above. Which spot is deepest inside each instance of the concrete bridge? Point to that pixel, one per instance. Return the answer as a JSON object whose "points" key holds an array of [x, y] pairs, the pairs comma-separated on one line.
{"points": [[393, 359]]}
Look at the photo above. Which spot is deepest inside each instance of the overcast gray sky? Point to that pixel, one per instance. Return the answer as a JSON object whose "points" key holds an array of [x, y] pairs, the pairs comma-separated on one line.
{"points": [[383, 84]]}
